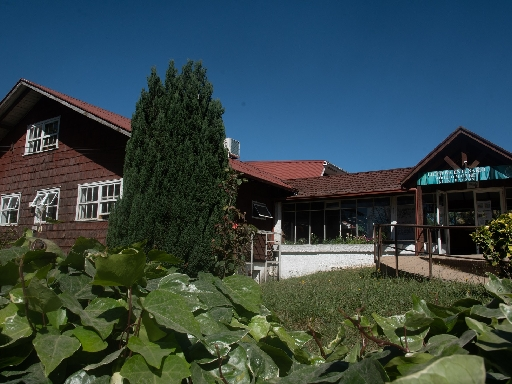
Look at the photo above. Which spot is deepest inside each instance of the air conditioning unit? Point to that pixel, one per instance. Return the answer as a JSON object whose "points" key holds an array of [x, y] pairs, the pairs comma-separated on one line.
{"points": [[233, 147]]}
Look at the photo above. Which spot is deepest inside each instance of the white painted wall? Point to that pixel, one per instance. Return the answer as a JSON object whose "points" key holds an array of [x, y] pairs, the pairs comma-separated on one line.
{"points": [[300, 260]]}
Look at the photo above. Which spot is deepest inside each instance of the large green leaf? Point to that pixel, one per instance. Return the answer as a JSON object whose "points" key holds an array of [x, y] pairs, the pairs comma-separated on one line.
{"points": [[242, 290], [489, 313], [76, 256], [120, 269], [395, 330], [210, 325], [179, 283], [280, 357], [52, 349], [300, 354], [200, 376], [83, 377], [77, 285], [153, 353], [41, 298], [90, 340], [174, 370], [172, 311], [9, 254], [15, 327], [152, 329], [157, 255], [219, 344], [259, 327], [259, 363], [456, 369], [101, 314], [210, 295], [58, 319]]}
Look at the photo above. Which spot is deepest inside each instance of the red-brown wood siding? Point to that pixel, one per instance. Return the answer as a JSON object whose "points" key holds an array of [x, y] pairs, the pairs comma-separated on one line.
{"points": [[88, 152]]}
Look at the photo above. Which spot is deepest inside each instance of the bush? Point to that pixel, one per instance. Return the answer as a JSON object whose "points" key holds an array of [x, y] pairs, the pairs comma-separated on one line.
{"points": [[495, 241]]}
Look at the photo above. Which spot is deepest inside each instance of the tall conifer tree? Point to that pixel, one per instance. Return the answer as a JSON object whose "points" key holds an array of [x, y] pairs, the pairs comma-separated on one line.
{"points": [[175, 161]]}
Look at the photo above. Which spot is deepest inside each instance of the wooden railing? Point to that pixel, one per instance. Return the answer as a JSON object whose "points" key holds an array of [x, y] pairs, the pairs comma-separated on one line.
{"points": [[422, 237]]}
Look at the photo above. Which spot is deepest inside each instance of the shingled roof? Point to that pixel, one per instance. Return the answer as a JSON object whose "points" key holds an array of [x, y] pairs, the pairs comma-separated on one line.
{"points": [[258, 174], [25, 94], [297, 169], [350, 184]]}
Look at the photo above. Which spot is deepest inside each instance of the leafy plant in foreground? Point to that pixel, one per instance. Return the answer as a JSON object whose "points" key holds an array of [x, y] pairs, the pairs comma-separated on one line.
{"points": [[118, 316]]}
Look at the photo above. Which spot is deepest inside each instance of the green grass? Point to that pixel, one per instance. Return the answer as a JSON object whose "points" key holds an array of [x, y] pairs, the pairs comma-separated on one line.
{"points": [[315, 299]]}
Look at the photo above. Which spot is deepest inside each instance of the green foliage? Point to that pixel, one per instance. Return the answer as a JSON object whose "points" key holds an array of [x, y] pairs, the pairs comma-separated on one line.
{"points": [[495, 241], [207, 330], [175, 161], [234, 235]]}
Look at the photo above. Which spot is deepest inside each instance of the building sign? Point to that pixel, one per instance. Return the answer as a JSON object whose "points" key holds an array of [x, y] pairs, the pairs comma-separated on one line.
{"points": [[466, 175]]}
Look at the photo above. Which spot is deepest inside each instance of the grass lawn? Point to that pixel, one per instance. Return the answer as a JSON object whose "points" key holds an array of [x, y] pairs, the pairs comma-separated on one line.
{"points": [[315, 298]]}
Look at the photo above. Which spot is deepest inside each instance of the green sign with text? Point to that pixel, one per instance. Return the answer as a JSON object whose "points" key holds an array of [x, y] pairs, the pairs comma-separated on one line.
{"points": [[449, 176]]}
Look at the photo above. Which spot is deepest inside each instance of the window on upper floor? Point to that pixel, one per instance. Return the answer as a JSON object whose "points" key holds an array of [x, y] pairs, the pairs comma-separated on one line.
{"points": [[10, 209], [96, 200], [46, 205], [42, 136]]}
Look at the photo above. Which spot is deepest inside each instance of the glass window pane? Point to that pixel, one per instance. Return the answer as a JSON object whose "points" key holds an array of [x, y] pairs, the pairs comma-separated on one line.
{"points": [[332, 224], [288, 226], [302, 227], [317, 225]]}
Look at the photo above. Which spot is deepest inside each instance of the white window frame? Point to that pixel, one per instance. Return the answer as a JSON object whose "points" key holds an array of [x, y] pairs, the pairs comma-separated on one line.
{"points": [[255, 204], [6, 202], [39, 140], [44, 199], [90, 205]]}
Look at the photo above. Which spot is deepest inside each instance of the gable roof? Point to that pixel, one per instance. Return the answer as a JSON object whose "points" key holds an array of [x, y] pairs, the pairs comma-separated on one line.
{"points": [[350, 184], [437, 153], [258, 174], [25, 94], [297, 169]]}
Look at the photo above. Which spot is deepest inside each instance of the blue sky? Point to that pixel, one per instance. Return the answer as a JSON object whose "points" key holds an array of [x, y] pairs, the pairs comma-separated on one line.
{"points": [[366, 85]]}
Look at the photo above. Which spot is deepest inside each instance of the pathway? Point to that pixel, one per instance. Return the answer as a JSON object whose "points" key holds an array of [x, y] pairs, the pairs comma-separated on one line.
{"points": [[470, 268]]}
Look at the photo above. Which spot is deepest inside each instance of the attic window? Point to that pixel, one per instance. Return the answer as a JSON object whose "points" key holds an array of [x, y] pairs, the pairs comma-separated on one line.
{"points": [[260, 211], [42, 136]]}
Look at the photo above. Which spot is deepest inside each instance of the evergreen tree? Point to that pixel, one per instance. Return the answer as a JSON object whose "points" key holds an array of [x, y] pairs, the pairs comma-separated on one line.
{"points": [[174, 165]]}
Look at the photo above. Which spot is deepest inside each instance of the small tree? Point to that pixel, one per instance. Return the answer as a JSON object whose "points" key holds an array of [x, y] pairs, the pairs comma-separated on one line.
{"points": [[175, 161], [495, 241]]}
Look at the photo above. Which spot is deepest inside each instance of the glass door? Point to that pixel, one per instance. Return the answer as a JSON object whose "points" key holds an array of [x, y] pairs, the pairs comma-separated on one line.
{"points": [[461, 212]]}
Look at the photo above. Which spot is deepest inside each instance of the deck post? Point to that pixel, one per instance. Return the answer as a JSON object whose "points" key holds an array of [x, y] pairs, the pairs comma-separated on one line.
{"points": [[429, 245], [396, 252]]}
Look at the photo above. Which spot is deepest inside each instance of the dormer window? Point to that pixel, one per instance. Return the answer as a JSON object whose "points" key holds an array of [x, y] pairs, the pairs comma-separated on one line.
{"points": [[42, 136]]}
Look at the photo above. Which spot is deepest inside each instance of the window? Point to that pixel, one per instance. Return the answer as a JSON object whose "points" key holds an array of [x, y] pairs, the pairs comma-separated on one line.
{"points": [[260, 211], [42, 136], [95, 200], [46, 204], [9, 209]]}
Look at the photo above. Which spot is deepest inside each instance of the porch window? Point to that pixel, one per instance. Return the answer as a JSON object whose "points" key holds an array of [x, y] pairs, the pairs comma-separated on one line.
{"points": [[96, 200], [46, 205], [508, 194], [10, 209], [42, 136]]}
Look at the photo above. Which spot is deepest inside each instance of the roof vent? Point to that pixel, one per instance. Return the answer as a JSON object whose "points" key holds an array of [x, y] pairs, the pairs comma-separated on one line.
{"points": [[233, 147]]}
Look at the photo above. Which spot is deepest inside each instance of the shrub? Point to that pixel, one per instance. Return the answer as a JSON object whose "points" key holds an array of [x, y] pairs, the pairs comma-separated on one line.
{"points": [[495, 241]]}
